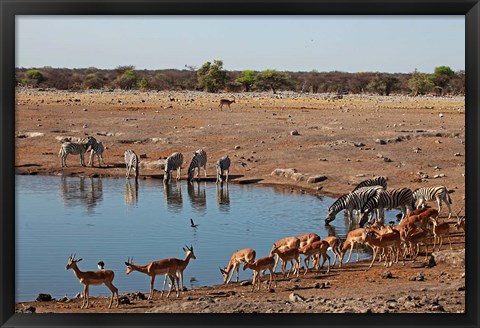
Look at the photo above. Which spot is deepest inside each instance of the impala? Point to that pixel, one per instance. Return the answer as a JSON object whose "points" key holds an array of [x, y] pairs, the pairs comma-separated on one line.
{"points": [[167, 266], [440, 230], [288, 255], [244, 255], [316, 248], [225, 102], [413, 238], [335, 247], [389, 240], [265, 263], [88, 278], [460, 224], [354, 239], [307, 239], [284, 243], [182, 264]]}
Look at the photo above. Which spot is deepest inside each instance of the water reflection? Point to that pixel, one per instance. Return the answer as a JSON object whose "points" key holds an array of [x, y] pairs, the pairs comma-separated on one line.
{"points": [[82, 191], [197, 195], [223, 197], [173, 196], [131, 193]]}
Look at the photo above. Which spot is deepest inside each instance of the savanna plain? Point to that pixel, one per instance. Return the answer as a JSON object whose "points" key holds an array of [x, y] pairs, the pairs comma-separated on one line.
{"points": [[304, 143]]}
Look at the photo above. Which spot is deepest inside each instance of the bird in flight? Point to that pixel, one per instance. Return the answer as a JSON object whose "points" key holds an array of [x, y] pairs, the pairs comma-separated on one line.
{"points": [[101, 265], [192, 224]]}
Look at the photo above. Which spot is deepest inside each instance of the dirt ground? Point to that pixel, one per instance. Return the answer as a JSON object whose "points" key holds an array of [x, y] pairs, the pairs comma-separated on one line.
{"points": [[415, 142]]}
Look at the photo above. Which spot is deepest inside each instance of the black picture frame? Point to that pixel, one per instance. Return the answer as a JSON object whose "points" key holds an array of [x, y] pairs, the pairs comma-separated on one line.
{"points": [[11, 8]]}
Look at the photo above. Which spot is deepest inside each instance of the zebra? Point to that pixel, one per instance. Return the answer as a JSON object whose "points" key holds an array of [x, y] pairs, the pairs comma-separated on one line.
{"points": [[75, 149], [222, 165], [354, 200], [199, 160], [174, 162], [131, 161], [387, 199], [97, 148], [438, 193], [377, 181]]}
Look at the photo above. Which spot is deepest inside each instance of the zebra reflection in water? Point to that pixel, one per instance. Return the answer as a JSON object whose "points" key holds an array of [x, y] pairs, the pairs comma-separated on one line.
{"points": [[173, 196], [131, 193], [223, 197], [198, 196], [84, 191]]}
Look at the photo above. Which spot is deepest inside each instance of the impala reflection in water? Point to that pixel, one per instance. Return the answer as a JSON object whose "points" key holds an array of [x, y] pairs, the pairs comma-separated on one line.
{"points": [[110, 219]]}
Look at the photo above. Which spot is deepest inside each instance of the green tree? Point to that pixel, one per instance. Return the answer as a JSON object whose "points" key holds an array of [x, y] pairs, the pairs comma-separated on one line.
{"points": [[247, 78], [383, 84], [92, 81], [212, 77], [441, 77], [273, 79], [144, 84], [420, 83], [33, 77], [128, 80]]}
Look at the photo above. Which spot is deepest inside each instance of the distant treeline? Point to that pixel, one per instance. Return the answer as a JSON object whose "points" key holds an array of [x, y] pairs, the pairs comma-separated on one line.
{"points": [[212, 77]]}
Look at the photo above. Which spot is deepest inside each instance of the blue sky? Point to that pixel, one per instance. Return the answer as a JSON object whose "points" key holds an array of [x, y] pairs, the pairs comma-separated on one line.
{"points": [[288, 43]]}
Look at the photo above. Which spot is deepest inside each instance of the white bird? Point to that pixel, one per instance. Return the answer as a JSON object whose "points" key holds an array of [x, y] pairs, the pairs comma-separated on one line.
{"points": [[101, 265], [192, 224]]}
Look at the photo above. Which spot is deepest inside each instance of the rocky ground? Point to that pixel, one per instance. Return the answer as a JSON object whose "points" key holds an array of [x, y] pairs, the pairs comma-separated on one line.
{"points": [[312, 143]]}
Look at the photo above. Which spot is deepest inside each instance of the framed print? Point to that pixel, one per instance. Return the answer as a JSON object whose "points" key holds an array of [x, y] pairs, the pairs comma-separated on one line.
{"points": [[212, 163]]}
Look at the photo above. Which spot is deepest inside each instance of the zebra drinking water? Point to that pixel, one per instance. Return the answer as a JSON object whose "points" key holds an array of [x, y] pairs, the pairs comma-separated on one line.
{"points": [[354, 200], [174, 162], [222, 166], [75, 149], [438, 193], [199, 160], [387, 199], [131, 161]]}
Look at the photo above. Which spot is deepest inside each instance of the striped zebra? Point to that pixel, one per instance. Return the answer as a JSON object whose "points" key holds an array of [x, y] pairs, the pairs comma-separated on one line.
{"points": [[174, 162], [222, 166], [75, 148], [377, 181], [354, 200], [438, 193], [131, 162], [199, 160], [401, 198], [96, 148]]}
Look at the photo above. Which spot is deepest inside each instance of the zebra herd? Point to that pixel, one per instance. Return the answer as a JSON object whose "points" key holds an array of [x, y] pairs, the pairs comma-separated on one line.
{"points": [[174, 161], [370, 198]]}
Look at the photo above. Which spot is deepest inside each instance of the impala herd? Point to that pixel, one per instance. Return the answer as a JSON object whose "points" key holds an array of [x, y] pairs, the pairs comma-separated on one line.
{"points": [[388, 242]]}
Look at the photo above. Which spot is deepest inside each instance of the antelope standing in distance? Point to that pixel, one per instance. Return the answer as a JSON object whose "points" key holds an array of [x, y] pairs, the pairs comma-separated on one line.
{"points": [[246, 255], [263, 264], [88, 278], [167, 266], [460, 224], [390, 240], [225, 102], [335, 247], [354, 239]]}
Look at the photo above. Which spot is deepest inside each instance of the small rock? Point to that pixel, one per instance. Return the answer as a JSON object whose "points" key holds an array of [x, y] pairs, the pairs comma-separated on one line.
{"points": [[316, 178], [124, 300], [386, 275], [294, 297], [358, 144], [457, 154], [30, 309], [440, 115], [246, 283], [44, 298], [319, 285], [386, 159], [380, 141], [294, 133]]}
